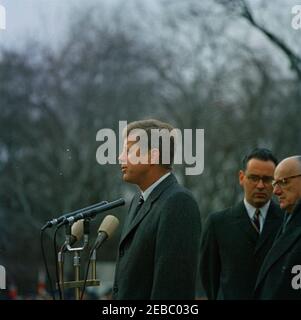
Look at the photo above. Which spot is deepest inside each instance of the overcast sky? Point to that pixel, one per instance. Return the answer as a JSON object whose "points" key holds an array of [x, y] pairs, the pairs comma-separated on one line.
{"points": [[48, 20], [42, 20]]}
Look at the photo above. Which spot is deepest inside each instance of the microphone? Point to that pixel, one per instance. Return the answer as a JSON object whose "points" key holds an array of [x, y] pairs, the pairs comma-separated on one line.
{"points": [[92, 212], [58, 220], [77, 231], [107, 228]]}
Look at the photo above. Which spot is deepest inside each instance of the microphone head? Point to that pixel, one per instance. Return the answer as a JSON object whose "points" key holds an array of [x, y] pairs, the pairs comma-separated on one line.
{"points": [[109, 225], [77, 231]]}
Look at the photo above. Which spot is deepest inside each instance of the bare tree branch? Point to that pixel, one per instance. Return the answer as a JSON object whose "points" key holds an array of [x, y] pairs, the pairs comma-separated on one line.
{"points": [[242, 8]]}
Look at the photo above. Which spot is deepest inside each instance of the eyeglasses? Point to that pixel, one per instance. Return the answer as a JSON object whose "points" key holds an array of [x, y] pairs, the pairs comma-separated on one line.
{"points": [[255, 179], [284, 181]]}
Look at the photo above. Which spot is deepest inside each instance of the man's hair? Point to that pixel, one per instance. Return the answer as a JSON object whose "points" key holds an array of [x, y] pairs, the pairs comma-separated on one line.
{"points": [[259, 154], [147, 126]]}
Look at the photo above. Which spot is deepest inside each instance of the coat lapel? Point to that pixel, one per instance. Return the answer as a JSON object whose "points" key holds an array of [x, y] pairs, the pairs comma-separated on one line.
{"points": [[281, 245], [130, 214], [270, 225], [243, 220], [130, 223]]}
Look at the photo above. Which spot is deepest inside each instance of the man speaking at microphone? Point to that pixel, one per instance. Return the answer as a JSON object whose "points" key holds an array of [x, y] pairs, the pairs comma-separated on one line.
{"points": [[159, 248]]}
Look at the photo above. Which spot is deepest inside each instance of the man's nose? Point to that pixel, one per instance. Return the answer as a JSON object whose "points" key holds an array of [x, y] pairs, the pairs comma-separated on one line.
{"points": [[260, 184], [277, 190], [121, 157]]}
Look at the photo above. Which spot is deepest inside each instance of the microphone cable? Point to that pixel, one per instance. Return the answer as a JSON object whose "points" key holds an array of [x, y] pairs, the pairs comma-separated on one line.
{"points": [[56, 259], [63, 248], [45, 264], [87, 272]]}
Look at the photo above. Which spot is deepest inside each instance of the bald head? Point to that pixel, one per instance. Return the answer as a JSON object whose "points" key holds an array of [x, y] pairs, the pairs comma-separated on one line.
{"points": [[291, 165], [288, 182]]}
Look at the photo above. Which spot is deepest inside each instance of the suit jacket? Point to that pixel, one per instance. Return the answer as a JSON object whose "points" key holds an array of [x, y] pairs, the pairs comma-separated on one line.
{"points": [[232, 251], [276, 277], [159, 250]]}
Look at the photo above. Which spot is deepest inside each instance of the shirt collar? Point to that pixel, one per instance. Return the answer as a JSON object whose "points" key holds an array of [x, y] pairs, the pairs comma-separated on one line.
{"points": [[146, 193], [251, 210]]}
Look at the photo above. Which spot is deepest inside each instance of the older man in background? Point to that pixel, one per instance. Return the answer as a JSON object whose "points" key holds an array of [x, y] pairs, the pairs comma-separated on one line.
{"points": [[280, 274]]}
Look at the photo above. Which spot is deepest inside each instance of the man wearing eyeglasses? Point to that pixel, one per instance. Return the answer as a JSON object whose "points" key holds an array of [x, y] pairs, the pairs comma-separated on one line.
{"points": [[236, 240], [280, 275]]}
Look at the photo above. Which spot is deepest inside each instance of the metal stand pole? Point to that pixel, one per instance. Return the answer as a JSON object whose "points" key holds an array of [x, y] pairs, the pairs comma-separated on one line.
{"points": [[61, 272], [93, 265], [76, 263]]}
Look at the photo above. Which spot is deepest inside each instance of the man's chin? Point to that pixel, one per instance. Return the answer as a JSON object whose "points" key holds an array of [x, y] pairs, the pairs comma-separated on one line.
{"points": [[283, 205], [126, 178], [260, 202]]}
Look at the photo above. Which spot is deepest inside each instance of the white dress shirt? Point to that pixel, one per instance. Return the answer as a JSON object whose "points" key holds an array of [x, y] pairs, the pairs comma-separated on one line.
{"points": [[263, 212]]}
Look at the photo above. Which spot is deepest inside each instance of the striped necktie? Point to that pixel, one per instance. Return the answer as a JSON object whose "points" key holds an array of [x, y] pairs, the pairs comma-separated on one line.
{"points": [[256, 221]]}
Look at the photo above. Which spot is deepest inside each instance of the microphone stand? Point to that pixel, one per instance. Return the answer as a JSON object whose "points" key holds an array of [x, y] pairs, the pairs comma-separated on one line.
{"points": [[61, 270], [93, 265], [76, 264], [77, 284]]}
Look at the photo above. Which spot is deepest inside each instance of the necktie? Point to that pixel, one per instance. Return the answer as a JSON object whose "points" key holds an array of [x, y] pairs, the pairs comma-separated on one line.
{"points": [[256, 221], [139, 205]]}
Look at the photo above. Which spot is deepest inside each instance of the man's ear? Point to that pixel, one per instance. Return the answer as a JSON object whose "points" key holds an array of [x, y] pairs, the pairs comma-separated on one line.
{"points": [[241, 176], [154, 156]]}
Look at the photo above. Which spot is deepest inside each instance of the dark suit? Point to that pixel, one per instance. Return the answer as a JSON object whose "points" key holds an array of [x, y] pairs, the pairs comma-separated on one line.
{"points": [[159, 249], [232, 251], [275, 276]]}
